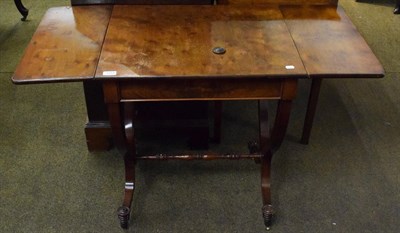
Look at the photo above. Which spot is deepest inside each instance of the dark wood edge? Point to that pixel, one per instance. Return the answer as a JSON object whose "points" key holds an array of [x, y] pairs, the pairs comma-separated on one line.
{"points": [[347, 76], [50, 80]]}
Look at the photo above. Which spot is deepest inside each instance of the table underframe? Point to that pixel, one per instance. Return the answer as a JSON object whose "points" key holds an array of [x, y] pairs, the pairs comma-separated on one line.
{"points": [[121, 96]]}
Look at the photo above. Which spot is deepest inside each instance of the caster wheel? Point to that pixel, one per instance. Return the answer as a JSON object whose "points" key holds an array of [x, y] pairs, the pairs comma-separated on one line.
{"points": [[123, 215], [267, 216]]}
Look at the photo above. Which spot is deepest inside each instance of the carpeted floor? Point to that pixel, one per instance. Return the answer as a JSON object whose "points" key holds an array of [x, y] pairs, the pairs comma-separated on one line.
{"points": [[346, 180]]}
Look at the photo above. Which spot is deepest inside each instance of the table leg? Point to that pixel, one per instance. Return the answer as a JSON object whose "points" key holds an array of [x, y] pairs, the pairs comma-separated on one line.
{"points": [[21, 8], [268, 144], [311, 108], [267, 209], [121, 118], [281, 123], [124, 211], [265, 148]]}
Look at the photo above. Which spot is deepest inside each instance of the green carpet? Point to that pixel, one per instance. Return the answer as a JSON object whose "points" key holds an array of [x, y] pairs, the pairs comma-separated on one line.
{"points": [[346, 180]]}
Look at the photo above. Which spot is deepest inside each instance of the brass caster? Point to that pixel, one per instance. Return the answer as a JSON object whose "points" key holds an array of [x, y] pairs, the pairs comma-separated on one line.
{"points": [[267, 212], [123, 215]]}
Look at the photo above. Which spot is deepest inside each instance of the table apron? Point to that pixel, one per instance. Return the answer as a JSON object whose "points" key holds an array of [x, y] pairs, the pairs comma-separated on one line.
{"points": [[198, 89]]}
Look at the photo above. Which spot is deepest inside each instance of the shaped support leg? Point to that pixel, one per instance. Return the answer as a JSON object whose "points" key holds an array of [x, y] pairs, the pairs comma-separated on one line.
{"points": [[267, 209], [265, 147], [130, 159], [121, 120], [268, 144], [281, 123], [124, 211]]}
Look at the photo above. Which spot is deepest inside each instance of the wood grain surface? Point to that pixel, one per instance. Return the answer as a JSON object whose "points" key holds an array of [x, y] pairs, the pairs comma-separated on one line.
{"points": [[200, 89], [174, 41], [177, 41], [66, 46], [329, 44]]}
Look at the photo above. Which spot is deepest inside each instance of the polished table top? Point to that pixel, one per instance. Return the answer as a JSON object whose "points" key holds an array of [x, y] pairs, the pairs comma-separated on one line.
{"points": [[318, 41], [66, 45], [151, 41]]}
